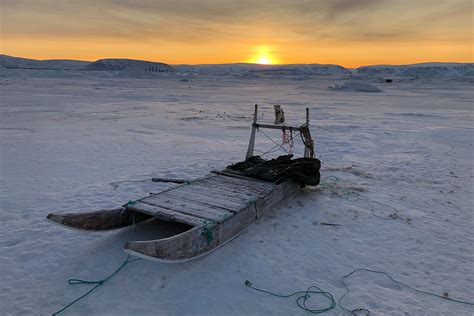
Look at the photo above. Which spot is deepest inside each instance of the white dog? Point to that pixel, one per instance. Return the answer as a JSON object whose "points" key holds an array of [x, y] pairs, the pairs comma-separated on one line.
{"points": [[279, 114]]}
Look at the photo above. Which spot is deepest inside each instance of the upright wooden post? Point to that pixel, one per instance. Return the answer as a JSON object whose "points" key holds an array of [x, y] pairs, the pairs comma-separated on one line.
{"points": [[306, 149], [252, 136]]}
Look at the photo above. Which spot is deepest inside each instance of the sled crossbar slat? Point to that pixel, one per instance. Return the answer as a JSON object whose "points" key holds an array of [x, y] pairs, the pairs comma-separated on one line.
{"points": [[280, 127], [166, 214]]}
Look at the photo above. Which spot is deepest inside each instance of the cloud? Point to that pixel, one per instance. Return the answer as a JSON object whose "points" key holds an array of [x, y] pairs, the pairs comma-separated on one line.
{"points": [[204, 21]]}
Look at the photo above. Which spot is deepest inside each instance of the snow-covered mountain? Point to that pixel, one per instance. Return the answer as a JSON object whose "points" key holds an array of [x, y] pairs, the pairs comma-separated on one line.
{"points": [[425, 70], [263, 70], [217, 69], [101, 64], [129, 64], [18, 62], [421, 70]]}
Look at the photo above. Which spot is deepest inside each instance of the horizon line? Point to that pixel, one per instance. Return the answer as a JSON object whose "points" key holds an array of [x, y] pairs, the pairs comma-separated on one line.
{"points": [[241, 62]]}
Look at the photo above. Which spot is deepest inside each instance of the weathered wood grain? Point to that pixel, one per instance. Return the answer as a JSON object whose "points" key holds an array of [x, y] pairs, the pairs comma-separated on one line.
{"points": [[209, 192], [231, 189], [236, 174], [98, 220], [167, 215], [217, 208], [242, 182], [213, 201], [188, 207], [272, 201], [195, 242], [243, 179]]}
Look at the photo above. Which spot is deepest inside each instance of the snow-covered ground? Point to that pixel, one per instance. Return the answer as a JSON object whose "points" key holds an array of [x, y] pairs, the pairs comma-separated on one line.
{"points": [[397, 176]]}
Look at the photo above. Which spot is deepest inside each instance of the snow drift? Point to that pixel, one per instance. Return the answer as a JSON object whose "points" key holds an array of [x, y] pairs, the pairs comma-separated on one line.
{"points": [[355, 86], [397, 181]]}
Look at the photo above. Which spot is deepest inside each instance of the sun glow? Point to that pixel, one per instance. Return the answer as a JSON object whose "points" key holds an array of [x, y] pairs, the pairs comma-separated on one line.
{"points": [[263, 60], [263, 56]]}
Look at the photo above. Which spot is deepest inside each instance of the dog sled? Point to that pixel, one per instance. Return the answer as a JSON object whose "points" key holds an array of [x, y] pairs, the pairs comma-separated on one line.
{"points": [[212, 210]]}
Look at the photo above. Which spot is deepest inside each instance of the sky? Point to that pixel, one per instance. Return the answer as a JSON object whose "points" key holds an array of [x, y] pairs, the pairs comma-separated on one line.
{"points": [[350, 33]]}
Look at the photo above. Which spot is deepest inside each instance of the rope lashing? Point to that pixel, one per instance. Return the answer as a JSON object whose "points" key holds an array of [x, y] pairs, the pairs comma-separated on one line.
{"points": [[206, 232], [130, 202], [287, 139], [302, 297], [277, 146]]}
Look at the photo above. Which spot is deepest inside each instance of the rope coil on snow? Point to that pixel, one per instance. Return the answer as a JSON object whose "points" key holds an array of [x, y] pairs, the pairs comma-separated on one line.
{"points": [[303, 297], [367, 312]]}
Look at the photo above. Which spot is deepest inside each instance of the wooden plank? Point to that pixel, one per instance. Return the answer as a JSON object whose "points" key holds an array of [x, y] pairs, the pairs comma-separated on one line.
{"points": [[189, 208], [243, 182], [215, 193], [193, 243], [237, 223], [237, 174], [280, 127], [243, 192], [274, 200], [240, 193], [214, 201], [99, 220], [166, 214], [230, 176]]}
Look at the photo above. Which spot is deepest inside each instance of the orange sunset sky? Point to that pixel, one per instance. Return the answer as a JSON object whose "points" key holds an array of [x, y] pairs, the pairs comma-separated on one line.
{"points": [[350, 33]]}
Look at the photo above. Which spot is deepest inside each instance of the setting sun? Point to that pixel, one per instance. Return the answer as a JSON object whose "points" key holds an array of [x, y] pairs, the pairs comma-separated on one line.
{"points": [[263, 55], [263, 60]]}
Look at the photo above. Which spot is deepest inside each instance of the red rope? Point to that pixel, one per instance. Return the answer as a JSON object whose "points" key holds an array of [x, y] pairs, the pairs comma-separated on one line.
{"points": [[287, 139]]}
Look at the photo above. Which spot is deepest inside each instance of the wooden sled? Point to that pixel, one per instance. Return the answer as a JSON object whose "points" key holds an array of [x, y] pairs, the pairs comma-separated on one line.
{"points": [[214, 209]]}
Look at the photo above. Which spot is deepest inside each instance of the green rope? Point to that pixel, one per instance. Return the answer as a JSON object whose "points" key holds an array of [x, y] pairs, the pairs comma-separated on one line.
{"points": [[303, 297], [367, 312], [97, 283], [206, 232]]}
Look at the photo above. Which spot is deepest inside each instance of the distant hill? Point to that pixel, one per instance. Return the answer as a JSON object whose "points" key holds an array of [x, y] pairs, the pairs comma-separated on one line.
{"points": [[263, 70], [101, 64], [129, 64], [302, 69], [425, 70], [18, 62]]}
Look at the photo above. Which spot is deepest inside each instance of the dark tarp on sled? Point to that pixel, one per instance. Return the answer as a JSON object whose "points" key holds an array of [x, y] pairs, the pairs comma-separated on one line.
{"points": [[304, 171]]}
